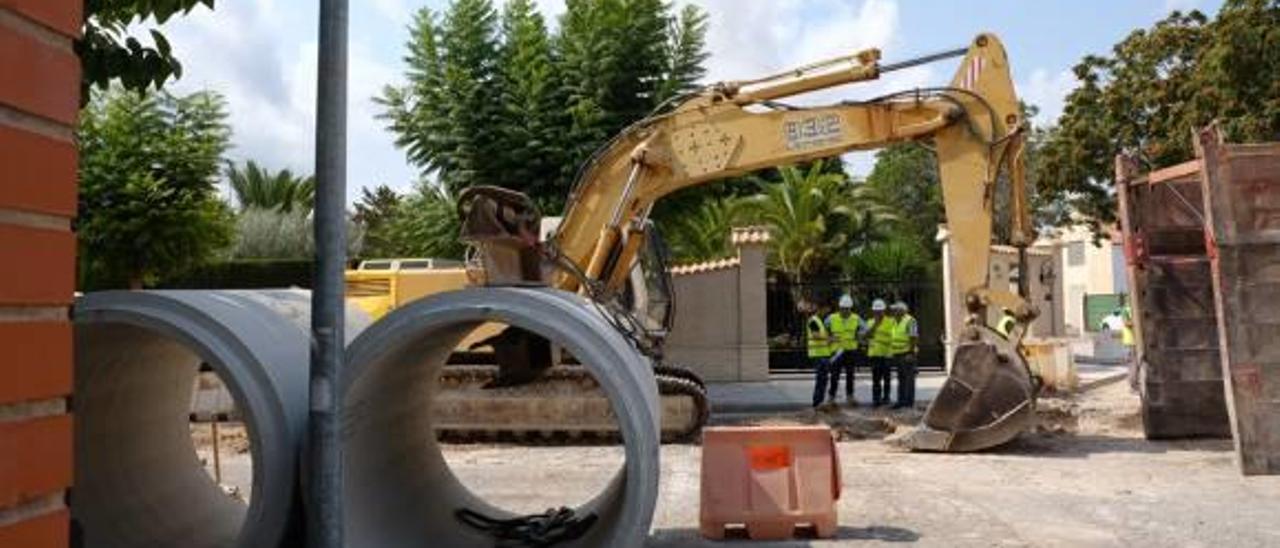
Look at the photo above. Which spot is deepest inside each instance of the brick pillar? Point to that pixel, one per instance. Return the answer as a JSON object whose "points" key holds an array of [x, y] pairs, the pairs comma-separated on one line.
{"points": [[39, 101], [753, 314]]}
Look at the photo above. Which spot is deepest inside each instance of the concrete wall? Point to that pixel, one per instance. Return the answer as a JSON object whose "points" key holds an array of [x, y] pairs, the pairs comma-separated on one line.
{"points": [[1100, 271], [1045, 290], [721, 316], [39, 102]]}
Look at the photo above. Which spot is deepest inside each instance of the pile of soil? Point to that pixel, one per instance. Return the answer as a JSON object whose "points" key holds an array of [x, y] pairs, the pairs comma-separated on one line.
{"points": [[1110, 410], [849, 423]]}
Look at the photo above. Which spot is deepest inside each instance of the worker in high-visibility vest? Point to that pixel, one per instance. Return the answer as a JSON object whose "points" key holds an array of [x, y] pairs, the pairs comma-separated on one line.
{"points": [[844, 326], [819, 347], [1006, 324], [1127, 339], [905, 348], [878, 336]]}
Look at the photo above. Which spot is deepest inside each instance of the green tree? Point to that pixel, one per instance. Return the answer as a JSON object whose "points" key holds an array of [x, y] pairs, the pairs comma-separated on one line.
{"points": [[816, 218], [1156, 87], [108, 51], [255, 187], [685, 53], [426, 224], [905, 178], [622, 59], [374, 213], [280, 234], [502, 101], [148, 201], [533, 111], [703, 233], [447, 116], [900, 257]]}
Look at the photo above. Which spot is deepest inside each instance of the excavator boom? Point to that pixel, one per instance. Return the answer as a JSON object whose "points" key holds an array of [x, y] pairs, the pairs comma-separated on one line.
{"points": [[975, 125]]}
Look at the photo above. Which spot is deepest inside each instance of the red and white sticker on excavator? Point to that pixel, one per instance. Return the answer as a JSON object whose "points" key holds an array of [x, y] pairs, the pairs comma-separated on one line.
{"points": [[972, 72]]}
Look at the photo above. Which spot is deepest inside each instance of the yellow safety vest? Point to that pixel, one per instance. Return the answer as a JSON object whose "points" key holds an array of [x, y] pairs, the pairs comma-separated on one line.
{"points": [[901, 335], [819, 340], [845, 331], [1005, 325], [881, 345], [1126, 332]]}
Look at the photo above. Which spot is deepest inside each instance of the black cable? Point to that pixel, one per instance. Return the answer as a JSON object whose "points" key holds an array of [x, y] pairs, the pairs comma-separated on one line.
{"points": [[549, 528], [924, 60]]}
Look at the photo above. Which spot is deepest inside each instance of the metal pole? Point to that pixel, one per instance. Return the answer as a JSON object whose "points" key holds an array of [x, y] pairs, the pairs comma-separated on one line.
{"points": [[217, 455], [324, 471]]}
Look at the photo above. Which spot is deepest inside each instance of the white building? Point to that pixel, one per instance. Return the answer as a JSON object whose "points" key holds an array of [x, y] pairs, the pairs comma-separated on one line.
{"points": [[1087, 269]]}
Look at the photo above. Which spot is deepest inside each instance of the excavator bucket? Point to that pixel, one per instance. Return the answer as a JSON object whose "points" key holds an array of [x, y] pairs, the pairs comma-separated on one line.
{"points": [[988, 399]]}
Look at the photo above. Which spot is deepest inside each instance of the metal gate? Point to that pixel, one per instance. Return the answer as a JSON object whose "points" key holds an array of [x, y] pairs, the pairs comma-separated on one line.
{"points": [[786, 323]]}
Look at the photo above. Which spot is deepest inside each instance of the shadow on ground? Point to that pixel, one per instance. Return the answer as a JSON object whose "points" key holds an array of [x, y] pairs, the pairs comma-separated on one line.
{"points": [[1076, 446], [664, 538]]}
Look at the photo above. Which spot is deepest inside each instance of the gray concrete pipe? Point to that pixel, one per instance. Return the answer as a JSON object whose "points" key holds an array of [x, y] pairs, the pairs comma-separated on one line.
{"points": [[138, 482], [399, 489]]}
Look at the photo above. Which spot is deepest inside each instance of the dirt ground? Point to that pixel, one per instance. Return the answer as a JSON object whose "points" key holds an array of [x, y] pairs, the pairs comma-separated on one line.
{"points": [[1085, 478]]}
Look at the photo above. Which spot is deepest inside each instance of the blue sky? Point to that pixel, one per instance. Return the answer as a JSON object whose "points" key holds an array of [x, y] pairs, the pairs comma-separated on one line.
{"points": [[260, 54]]}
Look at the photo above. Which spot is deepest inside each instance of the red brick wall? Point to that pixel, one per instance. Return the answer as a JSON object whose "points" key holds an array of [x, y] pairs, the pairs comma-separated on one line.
{"points": [[39, 101]]}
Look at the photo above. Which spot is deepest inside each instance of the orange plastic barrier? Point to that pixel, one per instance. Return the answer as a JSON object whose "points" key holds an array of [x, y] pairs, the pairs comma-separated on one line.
{"points": [[770, 480]]}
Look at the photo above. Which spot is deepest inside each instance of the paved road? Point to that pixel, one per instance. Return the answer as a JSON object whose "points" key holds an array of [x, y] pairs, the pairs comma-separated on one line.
{"points": [[794, 391]]}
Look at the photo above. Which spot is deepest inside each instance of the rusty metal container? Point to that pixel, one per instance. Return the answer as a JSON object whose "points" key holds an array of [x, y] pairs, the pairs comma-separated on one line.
{"points": [[1241, 196], [1172, 303]]}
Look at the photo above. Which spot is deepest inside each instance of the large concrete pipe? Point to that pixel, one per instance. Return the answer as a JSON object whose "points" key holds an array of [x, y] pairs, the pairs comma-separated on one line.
{"points": [[138, 480], [399, 489]]}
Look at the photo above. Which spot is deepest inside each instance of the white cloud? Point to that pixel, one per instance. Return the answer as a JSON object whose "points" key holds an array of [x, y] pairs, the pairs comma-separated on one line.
{"points": [[551, 10], [1048, 92], [749, 39], [266, 71], [261, 55], [393, 10]]}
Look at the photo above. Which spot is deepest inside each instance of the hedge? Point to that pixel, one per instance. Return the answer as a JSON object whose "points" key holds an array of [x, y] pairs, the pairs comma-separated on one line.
{"points": [[246, 274]]}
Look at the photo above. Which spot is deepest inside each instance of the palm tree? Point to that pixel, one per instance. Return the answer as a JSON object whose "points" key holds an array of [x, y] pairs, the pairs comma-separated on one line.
{"points": [[260, 188], [899, 258], [816, 218], [869, 221], [701, 234], [426, 224]]}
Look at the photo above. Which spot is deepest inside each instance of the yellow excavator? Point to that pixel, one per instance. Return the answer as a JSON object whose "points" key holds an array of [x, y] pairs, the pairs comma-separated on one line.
{"points": [[606, 249]]}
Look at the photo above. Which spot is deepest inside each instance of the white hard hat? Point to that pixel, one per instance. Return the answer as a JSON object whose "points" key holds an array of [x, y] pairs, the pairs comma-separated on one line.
{"points": [[846, 301], [900, 306], [877, 305]]}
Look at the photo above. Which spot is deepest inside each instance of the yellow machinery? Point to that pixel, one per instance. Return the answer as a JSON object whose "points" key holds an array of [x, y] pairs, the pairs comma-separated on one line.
{"points": [[731, 128]]}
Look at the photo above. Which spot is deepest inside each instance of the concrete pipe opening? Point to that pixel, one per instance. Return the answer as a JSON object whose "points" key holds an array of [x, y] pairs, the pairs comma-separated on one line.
{"points": [[139, 482], [400, 491]]}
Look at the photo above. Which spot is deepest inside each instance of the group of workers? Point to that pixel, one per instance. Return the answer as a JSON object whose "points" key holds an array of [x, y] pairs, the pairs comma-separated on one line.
{"points": [[886, 340]]}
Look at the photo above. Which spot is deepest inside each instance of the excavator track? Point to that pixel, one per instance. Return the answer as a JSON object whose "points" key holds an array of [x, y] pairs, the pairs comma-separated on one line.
{"points": [[565, 405]]}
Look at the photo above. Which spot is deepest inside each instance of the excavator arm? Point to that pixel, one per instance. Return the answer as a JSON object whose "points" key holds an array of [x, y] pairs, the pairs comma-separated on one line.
{"points": [[974, 125]]}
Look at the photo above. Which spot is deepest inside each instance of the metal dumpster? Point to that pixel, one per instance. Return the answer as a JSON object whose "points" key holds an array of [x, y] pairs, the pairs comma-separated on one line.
{"points": [[1241, 196], [1173, 310]]}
